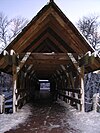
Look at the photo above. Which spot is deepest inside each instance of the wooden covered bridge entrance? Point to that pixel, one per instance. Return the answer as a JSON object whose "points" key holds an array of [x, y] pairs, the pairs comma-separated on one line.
{"points": [[51, 48]]}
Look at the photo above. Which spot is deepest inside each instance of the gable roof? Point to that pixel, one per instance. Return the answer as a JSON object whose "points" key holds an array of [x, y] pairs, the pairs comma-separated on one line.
{"points": [[50, 31]]}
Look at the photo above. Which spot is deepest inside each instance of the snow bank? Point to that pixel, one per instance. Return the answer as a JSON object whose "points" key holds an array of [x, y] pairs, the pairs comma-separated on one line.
{"points": [[85, 122], [9, 121]]}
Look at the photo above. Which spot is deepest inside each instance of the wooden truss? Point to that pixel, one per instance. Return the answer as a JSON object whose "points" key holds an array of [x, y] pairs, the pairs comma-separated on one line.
{"points": [[25, 65]]}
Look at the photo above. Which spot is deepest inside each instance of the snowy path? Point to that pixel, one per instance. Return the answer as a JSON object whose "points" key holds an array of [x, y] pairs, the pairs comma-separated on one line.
{"points": [[44, 117]]}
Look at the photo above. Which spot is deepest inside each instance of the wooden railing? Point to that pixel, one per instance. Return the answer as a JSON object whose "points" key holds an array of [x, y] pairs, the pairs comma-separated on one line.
{"points": [[71, 96]]}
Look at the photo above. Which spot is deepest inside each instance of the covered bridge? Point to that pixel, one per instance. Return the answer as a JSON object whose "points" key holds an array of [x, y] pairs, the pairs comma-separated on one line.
{"points": [[49, 48]]}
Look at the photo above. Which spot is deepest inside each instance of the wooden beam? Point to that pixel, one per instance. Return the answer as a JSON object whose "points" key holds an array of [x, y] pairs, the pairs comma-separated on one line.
{"points": [[68, 34], [47, 58], [24, 59], [86, 60], [47, 62], [32, 32], [74, 62], [70, 98], [83, 60], [43, 56], [73, 90]]}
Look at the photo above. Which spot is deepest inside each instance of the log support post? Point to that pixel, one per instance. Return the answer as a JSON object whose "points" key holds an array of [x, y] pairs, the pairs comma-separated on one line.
{"points": [[14, 88], [14, 72], [82, 108]]}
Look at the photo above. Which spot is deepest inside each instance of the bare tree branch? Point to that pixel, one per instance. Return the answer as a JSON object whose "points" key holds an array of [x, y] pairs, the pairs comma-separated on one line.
{"points": [[9, 29], [17, 25], [89, 27], [4, 23]]}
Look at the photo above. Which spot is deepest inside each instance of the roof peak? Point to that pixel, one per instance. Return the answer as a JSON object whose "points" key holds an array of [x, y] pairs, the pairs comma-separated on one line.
{"points": [[51, 1]]}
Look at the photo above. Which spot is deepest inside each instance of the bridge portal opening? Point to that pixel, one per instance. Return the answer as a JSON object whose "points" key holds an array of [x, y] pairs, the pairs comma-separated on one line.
{"points": [[44, 85]]}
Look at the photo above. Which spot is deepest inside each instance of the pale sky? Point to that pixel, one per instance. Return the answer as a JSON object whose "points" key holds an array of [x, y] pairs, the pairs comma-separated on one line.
{"points": [[73, 9]]}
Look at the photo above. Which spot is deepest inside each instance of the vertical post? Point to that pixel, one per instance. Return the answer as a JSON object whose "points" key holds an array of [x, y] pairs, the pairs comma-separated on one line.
{"points": [[95, 101], [3, 97], [14, 71], [14, 87], [82, 108], [2, 102]]}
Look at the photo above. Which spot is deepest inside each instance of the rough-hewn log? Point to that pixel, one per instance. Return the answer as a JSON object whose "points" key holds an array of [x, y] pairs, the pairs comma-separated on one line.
{"points": [[82, 89], [14, 87]]}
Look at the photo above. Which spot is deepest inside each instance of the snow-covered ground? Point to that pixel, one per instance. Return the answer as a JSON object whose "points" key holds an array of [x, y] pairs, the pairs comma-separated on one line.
{"points": [[83, 122], [9, 121]]}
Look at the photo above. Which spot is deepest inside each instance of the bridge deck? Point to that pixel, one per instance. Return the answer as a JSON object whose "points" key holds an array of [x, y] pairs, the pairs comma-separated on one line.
{"points": [[47, 117]]}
